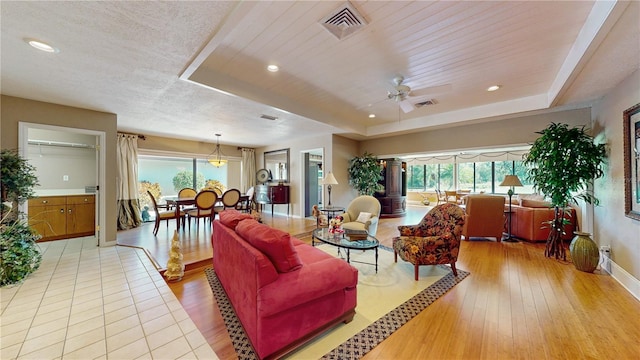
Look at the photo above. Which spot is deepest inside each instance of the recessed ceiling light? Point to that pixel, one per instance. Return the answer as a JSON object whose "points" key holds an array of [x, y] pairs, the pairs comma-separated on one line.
{"points": [[273, 68], [41, 46], [493, 88], [371, 116]]}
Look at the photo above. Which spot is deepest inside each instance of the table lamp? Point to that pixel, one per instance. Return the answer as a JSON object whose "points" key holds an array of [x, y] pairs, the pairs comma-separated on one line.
{"points": [[511, 181], [329, 180]]}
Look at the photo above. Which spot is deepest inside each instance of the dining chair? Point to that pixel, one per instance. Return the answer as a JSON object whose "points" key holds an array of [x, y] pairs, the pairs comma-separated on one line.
{"points": [[451, 196], [205, 201], [442, 198], [229, 200], [246, 203], [187, 193], [162, 214]]}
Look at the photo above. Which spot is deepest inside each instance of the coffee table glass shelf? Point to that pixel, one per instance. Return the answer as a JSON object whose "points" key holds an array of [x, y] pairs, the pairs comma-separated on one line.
{"points": [[342, 241]]}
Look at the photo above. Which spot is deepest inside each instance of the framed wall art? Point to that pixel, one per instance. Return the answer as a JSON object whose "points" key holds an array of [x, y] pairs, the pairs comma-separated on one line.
{"points": [[631, 126]]}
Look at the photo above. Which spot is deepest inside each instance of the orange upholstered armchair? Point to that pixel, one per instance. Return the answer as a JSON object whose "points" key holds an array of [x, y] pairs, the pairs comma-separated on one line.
{"points": [[435, 240], [484, 216]]}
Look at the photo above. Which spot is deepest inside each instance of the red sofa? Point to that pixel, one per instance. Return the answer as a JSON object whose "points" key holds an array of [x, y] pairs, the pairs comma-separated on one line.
{"points": [[530, 217], [283, 290]]}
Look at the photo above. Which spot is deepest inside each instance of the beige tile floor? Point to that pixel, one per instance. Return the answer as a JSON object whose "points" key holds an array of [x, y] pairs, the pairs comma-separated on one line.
{"points": [[86, 302]]}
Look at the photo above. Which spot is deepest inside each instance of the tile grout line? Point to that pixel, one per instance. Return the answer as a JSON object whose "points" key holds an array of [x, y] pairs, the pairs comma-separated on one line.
{"points": [[57, 264], [74, 261]]}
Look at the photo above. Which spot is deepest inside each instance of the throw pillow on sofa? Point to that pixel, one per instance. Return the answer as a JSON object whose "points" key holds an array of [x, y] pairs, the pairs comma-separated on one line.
{"points": [[231, 218], [274, 243], [522, 197], [363, 217], [534, 203]]}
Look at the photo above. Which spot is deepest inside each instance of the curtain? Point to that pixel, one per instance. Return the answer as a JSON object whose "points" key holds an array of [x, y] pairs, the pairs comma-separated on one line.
{"points": [[128, 202], [248, 169]]}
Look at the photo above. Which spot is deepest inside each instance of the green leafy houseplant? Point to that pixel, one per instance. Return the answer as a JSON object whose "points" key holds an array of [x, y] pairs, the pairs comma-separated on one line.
{"points": [[364, 173], [17, 180], [561, 164], [19, 253]]}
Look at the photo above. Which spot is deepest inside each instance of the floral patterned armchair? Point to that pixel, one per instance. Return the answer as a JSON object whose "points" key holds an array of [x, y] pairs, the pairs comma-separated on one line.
{"points": [[435, 240]]}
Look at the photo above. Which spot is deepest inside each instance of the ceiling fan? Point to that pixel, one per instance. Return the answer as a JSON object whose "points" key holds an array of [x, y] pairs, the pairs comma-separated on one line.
{"points": [[402, 94]]}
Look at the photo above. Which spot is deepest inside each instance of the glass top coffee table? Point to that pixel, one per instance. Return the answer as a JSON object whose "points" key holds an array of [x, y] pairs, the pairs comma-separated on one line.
{"points": [[342, 241]]}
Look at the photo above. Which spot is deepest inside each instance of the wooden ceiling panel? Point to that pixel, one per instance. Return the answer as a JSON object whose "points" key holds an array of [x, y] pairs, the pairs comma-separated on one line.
{"points": [[470, 45]]}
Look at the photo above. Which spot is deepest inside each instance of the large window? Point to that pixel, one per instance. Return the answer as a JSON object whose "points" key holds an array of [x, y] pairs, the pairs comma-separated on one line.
{"points": [[484, 176], [424, 177], [165, 176], [466, 176]]}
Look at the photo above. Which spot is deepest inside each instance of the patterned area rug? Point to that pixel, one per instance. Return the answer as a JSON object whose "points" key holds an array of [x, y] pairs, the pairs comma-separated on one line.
{"points": [[363, 341]]}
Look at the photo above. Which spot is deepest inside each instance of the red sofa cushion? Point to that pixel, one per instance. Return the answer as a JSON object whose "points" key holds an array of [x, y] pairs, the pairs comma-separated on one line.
{"points": [[274, 243], [231, 218]]}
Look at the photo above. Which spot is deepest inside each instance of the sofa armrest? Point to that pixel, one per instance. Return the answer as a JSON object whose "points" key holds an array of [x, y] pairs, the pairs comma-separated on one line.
{"points": [[312, 281]]}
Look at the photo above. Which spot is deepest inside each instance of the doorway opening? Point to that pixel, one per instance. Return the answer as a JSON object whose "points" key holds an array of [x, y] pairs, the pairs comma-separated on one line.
{"points": [[312, 179], [68, 163]]}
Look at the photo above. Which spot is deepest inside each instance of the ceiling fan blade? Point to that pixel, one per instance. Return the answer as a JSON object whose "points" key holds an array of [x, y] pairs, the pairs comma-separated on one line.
{"points": [[406, 106], [431, 90], [371, 105]]}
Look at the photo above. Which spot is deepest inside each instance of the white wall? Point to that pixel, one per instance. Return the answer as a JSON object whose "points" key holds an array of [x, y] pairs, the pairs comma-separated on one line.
{"points": [[53, 162], [296, 190], [16, 110], [515, 130], [611, 226]]}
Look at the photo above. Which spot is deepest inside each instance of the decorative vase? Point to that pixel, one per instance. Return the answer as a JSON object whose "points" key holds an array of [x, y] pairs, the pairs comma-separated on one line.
{"points": [[584, 252]]}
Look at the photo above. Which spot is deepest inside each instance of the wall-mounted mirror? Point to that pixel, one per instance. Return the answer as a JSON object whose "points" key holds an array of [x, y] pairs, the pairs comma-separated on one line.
{"points": [[277, 162]]}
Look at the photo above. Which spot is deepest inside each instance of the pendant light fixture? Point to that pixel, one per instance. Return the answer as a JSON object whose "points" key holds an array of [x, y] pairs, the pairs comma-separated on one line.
{"points": [[215, 158]]}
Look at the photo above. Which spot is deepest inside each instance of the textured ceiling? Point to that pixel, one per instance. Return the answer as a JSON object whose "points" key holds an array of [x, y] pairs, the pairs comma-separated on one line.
{"points": [[157, 65]]}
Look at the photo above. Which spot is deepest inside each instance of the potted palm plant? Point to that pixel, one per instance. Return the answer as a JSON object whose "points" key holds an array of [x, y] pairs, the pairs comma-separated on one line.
{"points": [[364, 173], [561, 164], [19, 253]]}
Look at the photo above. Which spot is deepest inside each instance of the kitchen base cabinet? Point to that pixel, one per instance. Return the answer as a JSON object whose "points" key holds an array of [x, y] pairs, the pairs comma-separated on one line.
{"points": [[62, 217]]}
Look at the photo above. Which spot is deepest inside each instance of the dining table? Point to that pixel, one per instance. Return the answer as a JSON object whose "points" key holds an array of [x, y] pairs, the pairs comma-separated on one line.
{"points": [[179, 203]]}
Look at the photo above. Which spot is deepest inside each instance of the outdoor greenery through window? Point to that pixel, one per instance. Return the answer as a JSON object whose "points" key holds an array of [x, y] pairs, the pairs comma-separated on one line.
{"points": [[165, 176], [475, 176]]}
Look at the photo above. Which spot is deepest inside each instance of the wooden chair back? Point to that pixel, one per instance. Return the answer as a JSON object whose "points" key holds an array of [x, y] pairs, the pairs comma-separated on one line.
{"points": [[451, 196], [153, 200], [206, 199], [230, 198], [187, 193]]}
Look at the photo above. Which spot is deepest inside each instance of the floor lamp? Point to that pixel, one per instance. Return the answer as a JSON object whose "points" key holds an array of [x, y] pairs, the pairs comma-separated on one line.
{"points": [[511, 181], [329, 180]]}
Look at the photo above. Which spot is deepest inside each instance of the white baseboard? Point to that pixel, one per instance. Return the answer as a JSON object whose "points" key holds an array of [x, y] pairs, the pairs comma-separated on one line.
{"points": [[622, 276]]}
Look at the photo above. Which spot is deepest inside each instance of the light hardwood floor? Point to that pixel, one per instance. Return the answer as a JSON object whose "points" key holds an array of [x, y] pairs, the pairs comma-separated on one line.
{"points": [[515, 304]]}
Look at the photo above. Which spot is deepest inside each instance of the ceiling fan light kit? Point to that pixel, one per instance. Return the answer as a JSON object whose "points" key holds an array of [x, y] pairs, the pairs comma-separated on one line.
{"points": [[409, 100]]}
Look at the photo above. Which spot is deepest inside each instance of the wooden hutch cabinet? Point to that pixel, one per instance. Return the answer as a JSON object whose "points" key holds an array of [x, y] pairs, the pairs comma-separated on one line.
{"points": [[393, 198], [63, 217]]}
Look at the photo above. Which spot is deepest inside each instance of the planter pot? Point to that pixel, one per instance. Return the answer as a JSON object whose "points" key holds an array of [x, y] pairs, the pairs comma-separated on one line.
{"points": [[584, 252]]}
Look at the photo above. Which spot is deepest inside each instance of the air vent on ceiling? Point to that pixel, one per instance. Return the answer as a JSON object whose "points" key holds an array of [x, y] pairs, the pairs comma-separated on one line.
{"points": [[426, 103], [344, 21], [268, 117]]}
